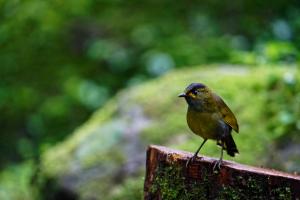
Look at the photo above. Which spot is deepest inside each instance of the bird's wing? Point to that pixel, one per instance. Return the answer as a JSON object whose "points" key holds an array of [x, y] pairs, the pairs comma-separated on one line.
{"points": [[226, 113]]}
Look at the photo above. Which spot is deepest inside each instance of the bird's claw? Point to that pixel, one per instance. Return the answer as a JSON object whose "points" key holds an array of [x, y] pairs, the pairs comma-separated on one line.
{"points": [[218, 165], [190, 160]]}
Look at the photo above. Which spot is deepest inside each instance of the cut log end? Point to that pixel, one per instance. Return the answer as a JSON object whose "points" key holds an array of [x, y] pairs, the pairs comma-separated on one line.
{"points": [[167, 177]]}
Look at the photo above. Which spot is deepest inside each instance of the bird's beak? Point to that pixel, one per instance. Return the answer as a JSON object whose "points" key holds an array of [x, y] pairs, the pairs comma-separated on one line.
{"points": [[182, 95]]}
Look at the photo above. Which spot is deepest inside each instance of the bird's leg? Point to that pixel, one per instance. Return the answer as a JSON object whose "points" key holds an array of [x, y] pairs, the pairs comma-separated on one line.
{"points": [[219, 162], [191, 159]]}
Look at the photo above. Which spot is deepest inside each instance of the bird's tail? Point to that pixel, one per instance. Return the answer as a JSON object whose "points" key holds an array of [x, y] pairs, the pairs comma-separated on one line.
{"points": [[230, 146]]}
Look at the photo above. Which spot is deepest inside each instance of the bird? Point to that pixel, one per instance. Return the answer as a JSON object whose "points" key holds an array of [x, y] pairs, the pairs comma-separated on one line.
{"points": [[208, 116]]}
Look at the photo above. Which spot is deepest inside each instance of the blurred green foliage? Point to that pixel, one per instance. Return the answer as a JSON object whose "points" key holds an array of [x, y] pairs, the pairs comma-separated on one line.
{"points": [[17, 175], [61, 60]]}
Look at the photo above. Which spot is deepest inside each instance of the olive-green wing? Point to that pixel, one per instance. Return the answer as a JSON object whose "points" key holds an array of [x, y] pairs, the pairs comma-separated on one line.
{"points": [[226, 113]]}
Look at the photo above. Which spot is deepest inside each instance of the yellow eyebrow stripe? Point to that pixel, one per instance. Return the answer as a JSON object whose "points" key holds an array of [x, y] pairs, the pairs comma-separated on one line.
{"points": [[191, 94]]}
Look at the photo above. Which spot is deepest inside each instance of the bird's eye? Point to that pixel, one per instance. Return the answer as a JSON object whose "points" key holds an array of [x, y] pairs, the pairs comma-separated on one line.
{"points": [[195, 92]]}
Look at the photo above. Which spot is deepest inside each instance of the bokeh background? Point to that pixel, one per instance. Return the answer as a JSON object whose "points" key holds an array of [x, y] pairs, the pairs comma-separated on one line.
{"points": [[86, 85]]}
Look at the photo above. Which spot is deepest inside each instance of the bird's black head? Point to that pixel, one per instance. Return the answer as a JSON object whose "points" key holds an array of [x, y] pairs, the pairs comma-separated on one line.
{"points": [[193, 89], [195, 94], [194, 86]]}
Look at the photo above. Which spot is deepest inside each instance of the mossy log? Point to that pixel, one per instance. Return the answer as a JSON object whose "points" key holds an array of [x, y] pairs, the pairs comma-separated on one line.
{"points": [[167, 177]]}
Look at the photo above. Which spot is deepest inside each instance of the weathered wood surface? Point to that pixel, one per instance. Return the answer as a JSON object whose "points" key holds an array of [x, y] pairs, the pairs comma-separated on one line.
{"points": [[167, 177]]}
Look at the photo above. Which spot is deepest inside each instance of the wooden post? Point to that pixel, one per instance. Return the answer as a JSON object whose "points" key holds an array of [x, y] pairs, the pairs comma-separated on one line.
{"points": [[168, 178]]}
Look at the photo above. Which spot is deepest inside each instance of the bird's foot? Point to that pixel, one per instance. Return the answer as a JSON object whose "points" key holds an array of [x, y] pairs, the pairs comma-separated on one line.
{"points": [[217, 165], [190, 160]]}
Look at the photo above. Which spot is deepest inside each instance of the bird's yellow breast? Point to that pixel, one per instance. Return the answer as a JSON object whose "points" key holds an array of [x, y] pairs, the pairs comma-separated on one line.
{"points": [[204, 124]]}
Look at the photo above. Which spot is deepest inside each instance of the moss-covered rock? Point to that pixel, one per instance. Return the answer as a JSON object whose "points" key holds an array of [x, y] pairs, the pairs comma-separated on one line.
{"points": [[99, 156]]}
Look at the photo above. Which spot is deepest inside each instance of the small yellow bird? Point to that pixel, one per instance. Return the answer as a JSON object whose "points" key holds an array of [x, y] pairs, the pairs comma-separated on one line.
{"points": [[209, 117]]}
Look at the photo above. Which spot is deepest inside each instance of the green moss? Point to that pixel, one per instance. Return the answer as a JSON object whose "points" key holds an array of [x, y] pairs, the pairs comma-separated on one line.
{"points": [[245, 90], [229, 193], [171, 182], [250, 188], [282, 193]]}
